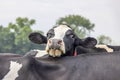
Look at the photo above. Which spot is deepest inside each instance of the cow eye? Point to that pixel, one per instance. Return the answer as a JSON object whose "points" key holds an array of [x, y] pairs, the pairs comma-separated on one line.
{"points": [[71, 35], [50, 35]]}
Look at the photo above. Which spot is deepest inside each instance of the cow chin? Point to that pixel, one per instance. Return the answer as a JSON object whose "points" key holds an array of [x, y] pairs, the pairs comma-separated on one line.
{"points": [[55, 52]]}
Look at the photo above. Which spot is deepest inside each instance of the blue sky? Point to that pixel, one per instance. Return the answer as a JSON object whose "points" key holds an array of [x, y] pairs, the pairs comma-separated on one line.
{"points": [[104, 13]]}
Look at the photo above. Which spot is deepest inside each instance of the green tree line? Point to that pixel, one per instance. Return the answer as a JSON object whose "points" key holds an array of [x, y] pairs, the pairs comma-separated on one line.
{"points": [[83, 27], [14, 37]]}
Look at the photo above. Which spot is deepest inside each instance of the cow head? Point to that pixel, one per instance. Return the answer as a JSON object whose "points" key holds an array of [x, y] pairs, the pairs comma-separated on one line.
{"points": [[60, 40]]}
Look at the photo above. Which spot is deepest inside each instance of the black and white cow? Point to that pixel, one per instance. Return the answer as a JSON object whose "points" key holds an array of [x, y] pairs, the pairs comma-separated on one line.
{"points": [[115, 48], [61, 41], [97, 49], [82, 67]]}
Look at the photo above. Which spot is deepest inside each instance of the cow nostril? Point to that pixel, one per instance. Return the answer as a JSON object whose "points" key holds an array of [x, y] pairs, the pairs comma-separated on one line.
{"points": [[60, 41]]}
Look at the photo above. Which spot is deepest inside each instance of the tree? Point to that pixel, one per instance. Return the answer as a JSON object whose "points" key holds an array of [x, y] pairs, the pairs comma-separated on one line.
{"points": [[6, 39], [15, 37], [81, 26], [102, 39]]}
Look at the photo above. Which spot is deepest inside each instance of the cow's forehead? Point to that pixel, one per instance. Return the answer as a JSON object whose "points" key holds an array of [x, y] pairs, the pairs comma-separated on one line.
{"points": [[60, 31], [62, 27]]}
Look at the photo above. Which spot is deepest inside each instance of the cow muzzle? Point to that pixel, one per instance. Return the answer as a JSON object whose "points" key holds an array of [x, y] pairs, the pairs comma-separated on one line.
{"points": [[55, 47]]}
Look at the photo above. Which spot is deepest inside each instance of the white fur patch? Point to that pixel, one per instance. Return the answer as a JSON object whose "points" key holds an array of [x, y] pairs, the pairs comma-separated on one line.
{"points": [[60, 31], [13, 73], [105, 47], [40, 53]]}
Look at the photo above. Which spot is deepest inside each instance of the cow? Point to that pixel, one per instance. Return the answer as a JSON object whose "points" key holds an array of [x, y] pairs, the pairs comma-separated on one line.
{"points": [[109, 48], [61, 41], [82, 67], [97, 49]]}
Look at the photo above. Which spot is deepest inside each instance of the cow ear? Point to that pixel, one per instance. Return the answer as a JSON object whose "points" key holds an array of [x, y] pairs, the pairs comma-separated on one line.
{"points": [[89, 42], [37, 38]]}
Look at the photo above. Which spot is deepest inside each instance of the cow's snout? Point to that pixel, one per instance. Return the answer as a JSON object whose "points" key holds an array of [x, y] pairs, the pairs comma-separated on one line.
{"points": [[55, 47], [54, 43]]}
